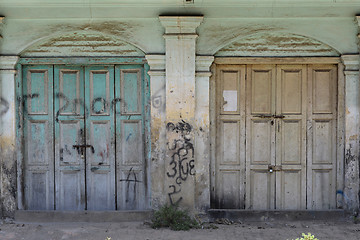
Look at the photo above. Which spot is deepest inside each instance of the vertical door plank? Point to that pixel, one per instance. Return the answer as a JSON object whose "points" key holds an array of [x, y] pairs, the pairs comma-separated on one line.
{"points": [[100, 137], [38, 136], [69, 134], [291, 137], [130, 137], [260, 137], [321, 132], [229, 169]]}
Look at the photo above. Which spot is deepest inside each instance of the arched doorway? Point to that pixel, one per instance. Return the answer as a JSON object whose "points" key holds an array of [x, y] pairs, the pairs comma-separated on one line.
{"points": [[84, 125], [276, 124]]}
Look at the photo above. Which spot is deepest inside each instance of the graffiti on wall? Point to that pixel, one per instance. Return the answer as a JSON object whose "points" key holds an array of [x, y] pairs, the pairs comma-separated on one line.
{"points": [[4, 106], [158, 99], [182, 162], [98, 105]]}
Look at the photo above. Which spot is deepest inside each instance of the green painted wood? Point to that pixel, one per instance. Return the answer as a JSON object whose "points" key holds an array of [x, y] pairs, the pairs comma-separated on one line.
{"points": [[37, 100], [130, 129], [100, 135], [97, 106], [69, 132]]}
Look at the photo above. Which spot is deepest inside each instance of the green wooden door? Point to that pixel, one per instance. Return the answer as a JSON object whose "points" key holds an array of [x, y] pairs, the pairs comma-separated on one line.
{"points": [[90, 140]]}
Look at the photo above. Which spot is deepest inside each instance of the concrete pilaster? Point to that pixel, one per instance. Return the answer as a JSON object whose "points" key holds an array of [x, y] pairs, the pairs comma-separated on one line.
{"points": [[202, 132], [180, 158], [351, 166], [158, 128]]}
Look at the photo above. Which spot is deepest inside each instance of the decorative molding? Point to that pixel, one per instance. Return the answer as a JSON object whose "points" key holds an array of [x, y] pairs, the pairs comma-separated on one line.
{"points": [[180, 24], [203, 63], [180, 36], [156, 62], [351, 62], [8, 62], [156, 73], [277, 60]]}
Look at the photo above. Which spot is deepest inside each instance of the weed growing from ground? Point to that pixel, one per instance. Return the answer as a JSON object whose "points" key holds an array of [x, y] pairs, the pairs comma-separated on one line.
{"points": [[307, 237], [173, 218]]}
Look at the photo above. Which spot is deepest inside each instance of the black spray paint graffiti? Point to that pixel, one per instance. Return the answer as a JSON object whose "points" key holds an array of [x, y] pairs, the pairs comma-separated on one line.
{"points": [[99, 105], [131, 179], [4, 106], [182, 162]]}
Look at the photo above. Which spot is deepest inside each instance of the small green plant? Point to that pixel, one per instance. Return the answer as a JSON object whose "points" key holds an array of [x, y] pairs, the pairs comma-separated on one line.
{"points": [[307, 237], [174, 218]]}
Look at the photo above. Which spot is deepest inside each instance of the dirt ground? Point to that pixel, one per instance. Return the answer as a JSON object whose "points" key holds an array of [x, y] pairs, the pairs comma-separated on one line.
{"points": [[140, 230]]}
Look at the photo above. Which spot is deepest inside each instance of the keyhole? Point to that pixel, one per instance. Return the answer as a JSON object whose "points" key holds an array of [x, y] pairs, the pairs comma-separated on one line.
{"points": [[272, 122]]}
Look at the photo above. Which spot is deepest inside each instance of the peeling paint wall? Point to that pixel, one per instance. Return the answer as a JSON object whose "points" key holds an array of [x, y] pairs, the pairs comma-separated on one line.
{"points": [[7, 137]]}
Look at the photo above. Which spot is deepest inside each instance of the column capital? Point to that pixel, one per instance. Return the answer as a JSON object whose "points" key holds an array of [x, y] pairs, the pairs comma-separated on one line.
{"points": [[203, 63], [351, 62], [180, 24], [156, 62], [358, 20], [8, 62]]}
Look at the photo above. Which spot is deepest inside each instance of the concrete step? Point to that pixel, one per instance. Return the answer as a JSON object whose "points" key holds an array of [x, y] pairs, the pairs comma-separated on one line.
{"points": [[82, 216], [278, 215]]}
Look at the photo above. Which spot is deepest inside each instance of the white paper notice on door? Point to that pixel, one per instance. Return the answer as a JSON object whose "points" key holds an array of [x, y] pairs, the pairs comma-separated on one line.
{"points": [[230, 100]]}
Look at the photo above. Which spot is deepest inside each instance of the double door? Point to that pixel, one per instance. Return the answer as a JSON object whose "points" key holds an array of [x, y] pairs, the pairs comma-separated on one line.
{"points": [[276, 146], [84, 137]]}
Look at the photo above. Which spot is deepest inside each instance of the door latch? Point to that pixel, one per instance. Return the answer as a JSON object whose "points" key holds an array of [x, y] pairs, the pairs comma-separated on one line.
{"points": [[273, 168], [264, 116]]}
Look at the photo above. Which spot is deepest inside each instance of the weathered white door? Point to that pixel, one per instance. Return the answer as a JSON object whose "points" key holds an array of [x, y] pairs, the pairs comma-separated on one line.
{"points": [[230, 148], [321, 137], [289, 135]]}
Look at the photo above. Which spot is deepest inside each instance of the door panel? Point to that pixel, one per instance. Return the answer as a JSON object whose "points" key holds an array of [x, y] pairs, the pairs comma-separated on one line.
{"points": [[69, 135], [131, 179], [291, 137], [260, 137], [100, 138], [229, 190], [262, 86], [321, 140], [261, 185], [38, 137]]}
